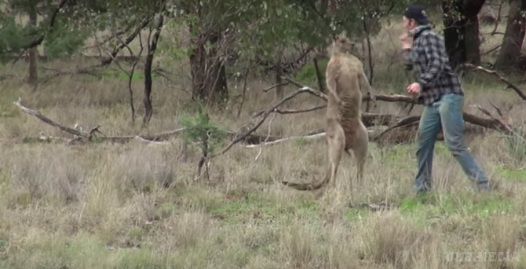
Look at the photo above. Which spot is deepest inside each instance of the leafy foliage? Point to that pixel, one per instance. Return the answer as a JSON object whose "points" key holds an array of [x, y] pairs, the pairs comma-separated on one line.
{"points": [[64, 40], [200, 130], [307, 75], [12, 35]]}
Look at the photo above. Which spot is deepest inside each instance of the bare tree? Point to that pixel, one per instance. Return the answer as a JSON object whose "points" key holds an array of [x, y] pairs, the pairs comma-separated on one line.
{"points": [[151, 48], [209, 82], [33, 52]]}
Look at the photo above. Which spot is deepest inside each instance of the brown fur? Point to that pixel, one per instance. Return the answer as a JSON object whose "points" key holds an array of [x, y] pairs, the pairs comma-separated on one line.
{"points": [[344, 131]]}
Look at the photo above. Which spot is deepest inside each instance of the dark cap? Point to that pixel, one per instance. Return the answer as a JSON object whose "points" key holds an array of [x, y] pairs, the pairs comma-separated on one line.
{"points": [[417, 13]]}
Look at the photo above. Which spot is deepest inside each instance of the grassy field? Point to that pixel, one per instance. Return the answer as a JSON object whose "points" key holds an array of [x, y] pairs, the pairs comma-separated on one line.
{"points": [[137, 205]]}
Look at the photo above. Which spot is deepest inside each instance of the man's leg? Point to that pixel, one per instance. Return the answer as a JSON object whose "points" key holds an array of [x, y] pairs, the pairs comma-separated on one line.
{"points": [[427, 132], [451, 109]]}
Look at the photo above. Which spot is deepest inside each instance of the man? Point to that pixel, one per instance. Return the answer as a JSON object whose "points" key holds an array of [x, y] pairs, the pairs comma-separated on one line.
{"points": [[438, 88]]}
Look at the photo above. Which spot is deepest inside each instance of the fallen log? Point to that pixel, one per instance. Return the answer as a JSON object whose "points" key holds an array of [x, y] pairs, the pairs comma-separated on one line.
{"points": [[47, 120], [403, 135], [396, 98], [287, 139], [91, 135], [82, 136], [393, 122]]}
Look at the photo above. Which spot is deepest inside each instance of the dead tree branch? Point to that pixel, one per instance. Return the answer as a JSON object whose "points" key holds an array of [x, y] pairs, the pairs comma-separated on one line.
{"points": [[407, 121], [264, 117], [500, 77], [394, 98], [163, 136], [310, 90], [91, 134], [126, 42], [491, 50], [498, 122], [497, 20], [368, 118], [49, 121], [287, 139], [284, 112], [275, 86]]}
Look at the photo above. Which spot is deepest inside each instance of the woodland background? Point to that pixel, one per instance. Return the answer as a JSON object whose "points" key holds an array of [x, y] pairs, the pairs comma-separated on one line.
{"points": [[156, 134]]}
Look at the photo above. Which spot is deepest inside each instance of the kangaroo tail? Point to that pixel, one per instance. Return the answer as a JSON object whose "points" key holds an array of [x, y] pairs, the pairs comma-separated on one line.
{"points": [[308, 186]]}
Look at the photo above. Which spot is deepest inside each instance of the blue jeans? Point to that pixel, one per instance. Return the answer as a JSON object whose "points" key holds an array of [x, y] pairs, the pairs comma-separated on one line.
{"points": [[446, 115]]}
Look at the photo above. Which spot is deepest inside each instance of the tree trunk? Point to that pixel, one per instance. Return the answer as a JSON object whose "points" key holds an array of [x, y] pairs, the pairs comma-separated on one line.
{"points": [[455, 45], [221, 88], [197, 64], [369, 51], [513, 37], [319, 75], [471, 30], [279, 81], [33, 53], [152, 47], [472, 40], [209, 81], [461, 32]]}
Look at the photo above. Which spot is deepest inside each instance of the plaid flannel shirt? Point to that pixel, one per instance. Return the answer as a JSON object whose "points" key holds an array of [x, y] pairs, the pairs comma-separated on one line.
{"points": [[434, 73]]}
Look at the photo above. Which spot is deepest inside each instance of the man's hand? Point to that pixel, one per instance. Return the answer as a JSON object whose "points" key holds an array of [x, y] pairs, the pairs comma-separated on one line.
{"points": [[414, 89], [407, 41]]}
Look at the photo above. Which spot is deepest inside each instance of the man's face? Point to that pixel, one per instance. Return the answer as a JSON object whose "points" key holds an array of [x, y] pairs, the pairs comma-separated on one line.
{"points": [[409, 24]]}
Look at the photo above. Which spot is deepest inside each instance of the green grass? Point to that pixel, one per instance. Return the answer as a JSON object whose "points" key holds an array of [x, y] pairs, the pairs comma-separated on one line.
{"points": [[513, 175], [140, 259], [237, 207], [398, 155], [261, 209], [7, 114], [4, 244], [357, 214], [7, 108], [432, 206], [115, 74], [82, 252]]}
